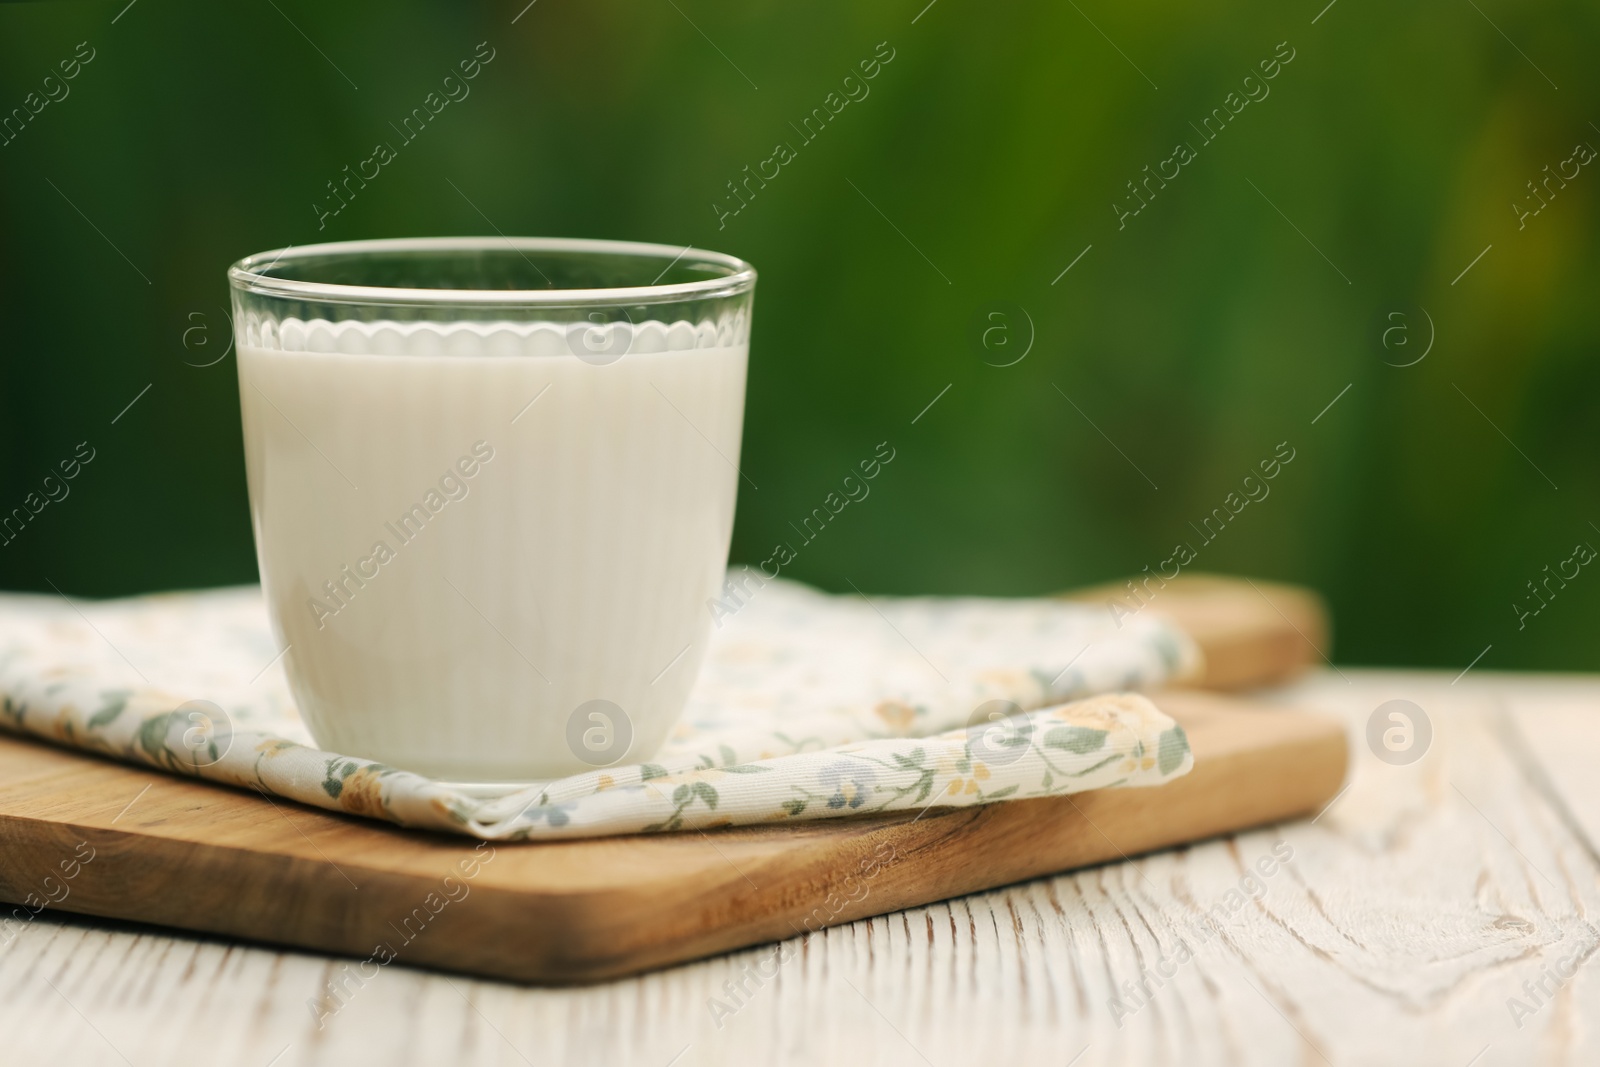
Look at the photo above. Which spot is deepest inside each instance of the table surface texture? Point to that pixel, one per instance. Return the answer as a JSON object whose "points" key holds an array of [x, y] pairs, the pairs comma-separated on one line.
{"points": [[1438, 911]]}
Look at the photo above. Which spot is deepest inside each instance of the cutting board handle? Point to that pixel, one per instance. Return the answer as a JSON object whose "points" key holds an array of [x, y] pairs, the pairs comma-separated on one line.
{"points": [[1252, 633]]}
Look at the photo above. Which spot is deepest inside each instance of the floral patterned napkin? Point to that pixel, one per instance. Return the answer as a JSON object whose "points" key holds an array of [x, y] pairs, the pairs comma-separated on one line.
{"points": [[809, 705]]}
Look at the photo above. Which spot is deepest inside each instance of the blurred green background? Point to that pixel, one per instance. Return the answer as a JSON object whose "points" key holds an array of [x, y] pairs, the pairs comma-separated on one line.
{"points": [[1218, 322]]}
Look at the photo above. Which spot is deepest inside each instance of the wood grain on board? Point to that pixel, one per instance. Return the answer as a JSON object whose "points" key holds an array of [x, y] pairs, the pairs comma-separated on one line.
{"points": [[1401, 931], [1251, 633], [197, 856]]}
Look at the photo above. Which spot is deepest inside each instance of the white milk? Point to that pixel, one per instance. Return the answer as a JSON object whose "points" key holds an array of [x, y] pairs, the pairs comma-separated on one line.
{"points": [[456, 571]]}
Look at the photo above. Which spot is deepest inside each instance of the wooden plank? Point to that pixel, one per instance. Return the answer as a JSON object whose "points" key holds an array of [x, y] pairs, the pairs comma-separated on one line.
{"points": [[192, 855], [1251, 633], [1409, 915]]}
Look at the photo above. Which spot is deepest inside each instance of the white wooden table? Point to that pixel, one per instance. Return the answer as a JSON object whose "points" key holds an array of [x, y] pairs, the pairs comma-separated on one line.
{"points": [[1415, 921]]}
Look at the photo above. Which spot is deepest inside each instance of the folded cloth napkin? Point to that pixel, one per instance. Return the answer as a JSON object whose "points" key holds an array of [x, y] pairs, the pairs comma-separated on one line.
{"points": [[809, 705]]}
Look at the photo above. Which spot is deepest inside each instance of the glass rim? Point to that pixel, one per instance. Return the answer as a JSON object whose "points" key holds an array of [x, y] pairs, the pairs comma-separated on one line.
{"points": [[248, 274]]}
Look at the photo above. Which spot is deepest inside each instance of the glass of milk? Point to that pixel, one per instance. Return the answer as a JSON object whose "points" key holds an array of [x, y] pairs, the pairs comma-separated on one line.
{"points": [[492, 485]]}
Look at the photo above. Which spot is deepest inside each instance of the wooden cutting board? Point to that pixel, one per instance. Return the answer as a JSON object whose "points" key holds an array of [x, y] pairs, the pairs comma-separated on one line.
{"points": [[184, 853], [1252, 633], [89, 835]]}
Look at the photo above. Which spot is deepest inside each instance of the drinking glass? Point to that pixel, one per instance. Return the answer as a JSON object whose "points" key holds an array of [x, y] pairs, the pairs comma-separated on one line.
{"points": [[492, 484]]}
